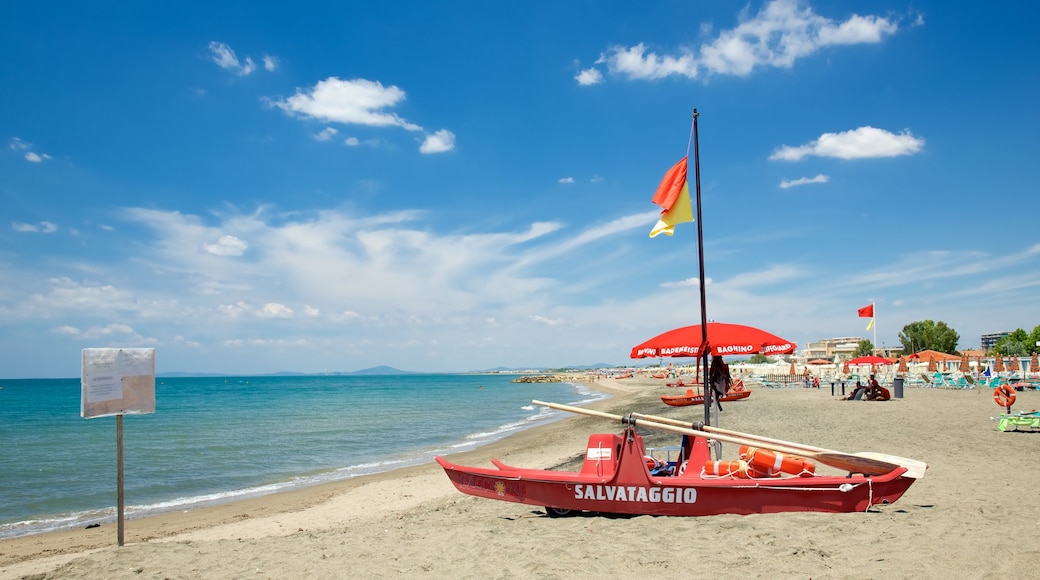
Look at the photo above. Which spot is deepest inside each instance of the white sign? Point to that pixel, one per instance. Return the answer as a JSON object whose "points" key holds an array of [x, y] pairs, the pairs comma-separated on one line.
{"points": [[117, 381]]}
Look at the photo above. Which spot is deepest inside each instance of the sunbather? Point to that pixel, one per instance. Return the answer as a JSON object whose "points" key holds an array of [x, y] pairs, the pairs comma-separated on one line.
{"points": [[856, 393]]}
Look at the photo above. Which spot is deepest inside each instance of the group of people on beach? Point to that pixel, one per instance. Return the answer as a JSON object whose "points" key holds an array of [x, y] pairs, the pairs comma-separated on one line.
{"points": [[872, 392]]}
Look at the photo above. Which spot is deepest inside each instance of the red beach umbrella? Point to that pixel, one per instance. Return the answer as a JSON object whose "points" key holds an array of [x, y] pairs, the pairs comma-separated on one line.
{"points": [[1034, 364], [932, 365], [723, 339], [792, 372], [964, 364], [998, 364], [902, 366]]}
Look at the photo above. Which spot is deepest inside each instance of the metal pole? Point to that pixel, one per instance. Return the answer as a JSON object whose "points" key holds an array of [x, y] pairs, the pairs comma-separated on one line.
{"points": [[119, 480], [708, 391]]}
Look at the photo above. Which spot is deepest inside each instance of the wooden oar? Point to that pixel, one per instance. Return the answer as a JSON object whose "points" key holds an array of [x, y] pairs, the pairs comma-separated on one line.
{"points": [[836, 459], [914, 468]]}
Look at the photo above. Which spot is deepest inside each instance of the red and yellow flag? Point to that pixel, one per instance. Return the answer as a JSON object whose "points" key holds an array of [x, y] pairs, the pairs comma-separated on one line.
{"points": [[674, 196], [867, 312]]}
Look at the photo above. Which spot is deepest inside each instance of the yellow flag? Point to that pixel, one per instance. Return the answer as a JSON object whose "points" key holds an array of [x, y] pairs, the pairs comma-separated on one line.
{"points": [[870, 324], [681, 212]]}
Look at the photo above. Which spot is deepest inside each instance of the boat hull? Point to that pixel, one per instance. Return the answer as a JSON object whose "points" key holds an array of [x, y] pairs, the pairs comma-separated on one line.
{"points": [[615, 479], [689, 399]]}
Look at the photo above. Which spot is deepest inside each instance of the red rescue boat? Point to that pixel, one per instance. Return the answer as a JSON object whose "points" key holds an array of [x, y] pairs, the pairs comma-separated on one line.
{"points": [[615, 477], [694, 399]]}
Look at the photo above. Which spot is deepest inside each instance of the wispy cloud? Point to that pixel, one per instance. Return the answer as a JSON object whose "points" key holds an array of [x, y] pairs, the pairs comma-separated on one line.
{"points": [[42, 227], [820, 178], [26, 149], [226, 59]]}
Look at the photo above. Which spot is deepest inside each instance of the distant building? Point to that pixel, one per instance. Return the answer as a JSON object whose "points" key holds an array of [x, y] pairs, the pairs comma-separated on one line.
{"points": [[988, 341], [828, 347]]}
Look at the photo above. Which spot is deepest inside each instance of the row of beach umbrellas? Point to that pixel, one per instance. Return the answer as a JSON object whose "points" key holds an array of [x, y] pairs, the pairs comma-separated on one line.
{"points": [[964, 364]]}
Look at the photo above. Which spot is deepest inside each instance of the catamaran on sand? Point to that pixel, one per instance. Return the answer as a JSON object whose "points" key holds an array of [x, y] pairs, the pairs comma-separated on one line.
{"points": [[618, 477]]}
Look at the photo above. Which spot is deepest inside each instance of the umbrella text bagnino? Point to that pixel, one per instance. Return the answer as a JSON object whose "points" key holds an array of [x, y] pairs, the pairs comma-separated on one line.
{"points": [[723, 339]]}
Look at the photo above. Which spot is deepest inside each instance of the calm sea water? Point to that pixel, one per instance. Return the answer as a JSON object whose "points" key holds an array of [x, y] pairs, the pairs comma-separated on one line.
{"points": [[216, 439]]}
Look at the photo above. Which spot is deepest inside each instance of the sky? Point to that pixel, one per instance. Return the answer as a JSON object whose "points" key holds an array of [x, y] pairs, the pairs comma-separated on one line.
{"points": [[253, 187]]}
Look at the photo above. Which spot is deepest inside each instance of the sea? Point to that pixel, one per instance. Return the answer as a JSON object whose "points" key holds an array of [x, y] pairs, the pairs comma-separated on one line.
{"points": [[214, 440]]}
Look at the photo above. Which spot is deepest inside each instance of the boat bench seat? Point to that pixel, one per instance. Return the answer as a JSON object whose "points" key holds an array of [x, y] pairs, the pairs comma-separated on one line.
{"points": [[602, 453]]}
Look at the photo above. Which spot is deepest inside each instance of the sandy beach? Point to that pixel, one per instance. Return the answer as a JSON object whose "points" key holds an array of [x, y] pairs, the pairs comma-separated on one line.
{"points": [[973, 515]]}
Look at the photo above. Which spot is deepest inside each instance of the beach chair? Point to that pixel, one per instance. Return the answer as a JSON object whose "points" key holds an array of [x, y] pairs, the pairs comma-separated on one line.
{"points": [[927, 381]]}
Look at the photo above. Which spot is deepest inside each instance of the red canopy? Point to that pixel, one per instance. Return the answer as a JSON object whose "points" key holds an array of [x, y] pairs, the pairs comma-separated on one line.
{"points": [[723, 339], [871, 360]]}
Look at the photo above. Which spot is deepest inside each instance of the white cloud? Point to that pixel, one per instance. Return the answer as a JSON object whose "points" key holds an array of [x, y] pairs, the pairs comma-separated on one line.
{"points": [[31, 156], [547, 321], [355, 101], [566, 180], [310, 311], [325, 134], [351, 142], [108, 330], [861, 143], [589, 76], [270, 63], [275, 310], [42, 227], [687, 283], [438, 142], [778, 35], [820, 178], [34, 157], [225, 58], [635, 63], [227, 246]]}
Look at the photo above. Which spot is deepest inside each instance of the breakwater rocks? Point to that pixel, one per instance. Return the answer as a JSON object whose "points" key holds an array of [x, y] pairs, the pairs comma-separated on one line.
{"points": [[540, 379]]}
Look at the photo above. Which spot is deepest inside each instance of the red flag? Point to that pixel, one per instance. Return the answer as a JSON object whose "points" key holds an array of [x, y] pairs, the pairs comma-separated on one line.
{"points": [[866, 312], [673, 195]]}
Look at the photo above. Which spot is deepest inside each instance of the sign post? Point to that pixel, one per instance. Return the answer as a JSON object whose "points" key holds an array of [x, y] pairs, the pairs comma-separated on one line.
{"points": [[117, 381]]}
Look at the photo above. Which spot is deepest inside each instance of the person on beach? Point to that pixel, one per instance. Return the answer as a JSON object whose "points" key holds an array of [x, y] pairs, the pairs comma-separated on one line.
{"points": [[719, 378], [856, 393], [876, 392]]}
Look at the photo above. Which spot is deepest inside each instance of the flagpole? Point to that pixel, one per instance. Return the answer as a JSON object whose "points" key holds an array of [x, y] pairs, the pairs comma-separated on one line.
{"points": [[708, 391], [874, 306]]}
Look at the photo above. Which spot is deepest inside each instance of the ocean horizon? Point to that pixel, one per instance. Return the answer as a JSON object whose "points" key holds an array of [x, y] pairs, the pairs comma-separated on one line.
{"points": [[215, 439]]}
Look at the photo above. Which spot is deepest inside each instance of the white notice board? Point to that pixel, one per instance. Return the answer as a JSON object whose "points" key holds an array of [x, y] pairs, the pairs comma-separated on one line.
{"points": [[117, 381]]}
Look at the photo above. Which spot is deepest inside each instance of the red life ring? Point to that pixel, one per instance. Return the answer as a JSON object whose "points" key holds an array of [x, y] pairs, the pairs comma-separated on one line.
{"points": [[1004, 395]]}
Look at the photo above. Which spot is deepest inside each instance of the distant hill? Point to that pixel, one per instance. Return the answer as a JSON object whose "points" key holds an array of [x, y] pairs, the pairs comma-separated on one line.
{"points": [[379, 370]]}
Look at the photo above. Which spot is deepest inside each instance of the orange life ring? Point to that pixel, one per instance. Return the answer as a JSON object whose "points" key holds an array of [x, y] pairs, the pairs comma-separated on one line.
{"points": [[765, 460], [1004, 395]]}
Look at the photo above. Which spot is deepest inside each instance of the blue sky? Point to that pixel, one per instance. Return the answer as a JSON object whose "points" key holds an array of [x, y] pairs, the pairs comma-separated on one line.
{"points": [[254, 188]]}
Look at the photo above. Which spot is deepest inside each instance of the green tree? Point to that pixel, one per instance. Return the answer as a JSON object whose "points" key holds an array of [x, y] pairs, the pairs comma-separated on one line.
{"points": [[1014, 344], [758, 358], [864, 348], [1034, 337], [927, 334]]}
